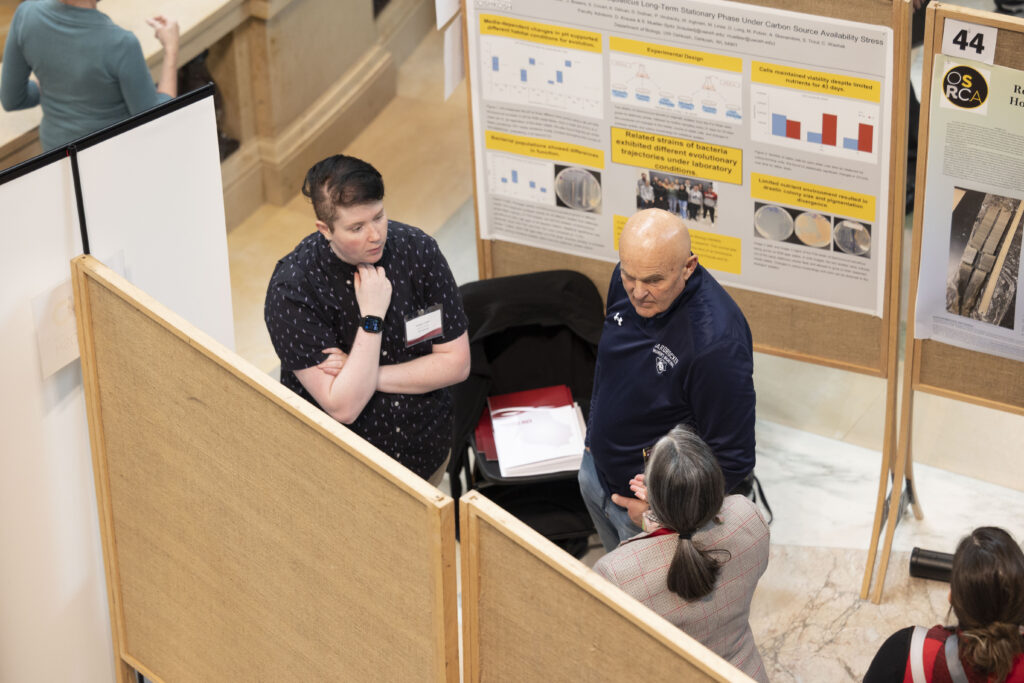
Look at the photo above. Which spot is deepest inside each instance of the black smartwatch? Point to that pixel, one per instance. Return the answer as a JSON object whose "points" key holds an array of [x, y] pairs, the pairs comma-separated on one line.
{"points": [[372, 324]]}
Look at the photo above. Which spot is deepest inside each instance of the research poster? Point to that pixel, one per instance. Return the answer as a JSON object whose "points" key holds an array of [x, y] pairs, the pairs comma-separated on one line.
{"points": [[765, 130], [968, 291]]}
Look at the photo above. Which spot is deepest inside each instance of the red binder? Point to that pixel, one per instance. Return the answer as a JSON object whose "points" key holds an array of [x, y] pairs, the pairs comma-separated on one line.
{"points": [[484, 435], [546, 397]]}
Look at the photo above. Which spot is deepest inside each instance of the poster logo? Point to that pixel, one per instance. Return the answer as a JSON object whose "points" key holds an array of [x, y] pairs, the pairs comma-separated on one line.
{"points": [[965, 88]]}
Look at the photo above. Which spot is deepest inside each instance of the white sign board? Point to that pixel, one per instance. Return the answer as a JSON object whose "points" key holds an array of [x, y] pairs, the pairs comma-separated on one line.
{"points": [[767, 131], [153, 194]]}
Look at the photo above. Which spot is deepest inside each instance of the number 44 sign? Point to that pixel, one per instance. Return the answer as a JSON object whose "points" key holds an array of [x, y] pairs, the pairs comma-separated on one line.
{"points": [[969, 41]]}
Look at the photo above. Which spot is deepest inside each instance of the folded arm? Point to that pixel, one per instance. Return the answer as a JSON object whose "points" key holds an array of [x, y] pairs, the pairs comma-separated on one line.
{"points": [[445, 365], [344, 394]]}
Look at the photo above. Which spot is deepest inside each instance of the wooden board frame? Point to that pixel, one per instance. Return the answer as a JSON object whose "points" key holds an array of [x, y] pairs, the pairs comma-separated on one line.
{"points": [[532, 612], [931, 366], [793, 329], [837, 338], [281, 548]]}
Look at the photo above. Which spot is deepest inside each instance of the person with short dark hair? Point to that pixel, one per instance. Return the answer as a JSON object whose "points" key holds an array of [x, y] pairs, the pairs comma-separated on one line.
{"points": [[986, 593], [367, 320], [700, 554]]}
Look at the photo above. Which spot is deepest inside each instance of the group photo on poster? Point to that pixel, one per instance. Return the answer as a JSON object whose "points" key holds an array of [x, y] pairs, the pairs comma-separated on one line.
{"points": [[692, 199]]}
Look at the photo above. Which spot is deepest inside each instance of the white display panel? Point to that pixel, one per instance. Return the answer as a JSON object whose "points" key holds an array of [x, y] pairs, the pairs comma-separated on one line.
{"points": [[155, 193], [52, 586], [153, 199]]}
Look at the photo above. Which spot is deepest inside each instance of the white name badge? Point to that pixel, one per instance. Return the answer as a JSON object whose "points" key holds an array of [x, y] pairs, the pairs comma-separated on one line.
{"points": [[425, 324]]}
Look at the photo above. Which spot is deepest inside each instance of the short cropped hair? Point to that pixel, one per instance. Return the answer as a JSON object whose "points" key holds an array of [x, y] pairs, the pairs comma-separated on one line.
{"points": [[341, 181]]}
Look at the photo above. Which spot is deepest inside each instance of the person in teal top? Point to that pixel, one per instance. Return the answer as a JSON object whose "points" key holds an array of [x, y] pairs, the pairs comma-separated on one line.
{"points": [[91, 72]]}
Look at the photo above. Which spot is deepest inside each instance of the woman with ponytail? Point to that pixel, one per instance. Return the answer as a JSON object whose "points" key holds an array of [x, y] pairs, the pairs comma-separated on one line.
{"points": [[701, 553], [986, 592]]}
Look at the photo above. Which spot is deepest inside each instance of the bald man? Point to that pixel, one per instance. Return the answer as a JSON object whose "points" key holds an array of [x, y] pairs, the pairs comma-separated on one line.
{"points": [[675, 349]]}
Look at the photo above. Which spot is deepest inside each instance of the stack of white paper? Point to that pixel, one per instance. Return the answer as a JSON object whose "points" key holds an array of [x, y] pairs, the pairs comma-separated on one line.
{"points": [[532, 441]]}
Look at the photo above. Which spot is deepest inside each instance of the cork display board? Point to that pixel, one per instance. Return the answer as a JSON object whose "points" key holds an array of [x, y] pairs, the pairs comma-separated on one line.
{"points": [[247, 535], [940, 368], [531, 612], [811, 332], [930, 365]]}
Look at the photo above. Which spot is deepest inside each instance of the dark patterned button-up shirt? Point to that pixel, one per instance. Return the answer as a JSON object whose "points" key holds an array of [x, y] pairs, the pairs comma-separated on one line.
{"points": [[311, 305]]}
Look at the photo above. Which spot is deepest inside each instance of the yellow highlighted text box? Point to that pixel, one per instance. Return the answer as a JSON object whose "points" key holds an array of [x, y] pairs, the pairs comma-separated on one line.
{"points": [[675, 54], [677, 155], [717, 252], [829, 199], [816, 81], [618, 223], [564, 152], [549, 34]]}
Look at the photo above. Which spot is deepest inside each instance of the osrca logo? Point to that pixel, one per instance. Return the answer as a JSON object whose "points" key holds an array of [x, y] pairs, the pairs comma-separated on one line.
{"points": [[965, 87]]}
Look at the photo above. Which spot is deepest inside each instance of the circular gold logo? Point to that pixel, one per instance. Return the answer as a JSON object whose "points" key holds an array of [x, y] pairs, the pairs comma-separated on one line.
{"points": [[965, 87]]}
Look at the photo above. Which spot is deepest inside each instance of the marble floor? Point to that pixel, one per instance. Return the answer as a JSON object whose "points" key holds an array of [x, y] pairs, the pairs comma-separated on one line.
{"points": [[819, 431]]}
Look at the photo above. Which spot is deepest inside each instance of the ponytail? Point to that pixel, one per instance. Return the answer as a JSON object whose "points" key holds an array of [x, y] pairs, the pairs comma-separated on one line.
{"points": [[685, 489], [694, 571], [991, 649], [987, 595]]}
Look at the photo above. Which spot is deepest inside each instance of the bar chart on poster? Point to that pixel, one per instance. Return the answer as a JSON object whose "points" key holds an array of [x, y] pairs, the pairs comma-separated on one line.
{"points": [[553, 77], [834, 126], [521, 178]]}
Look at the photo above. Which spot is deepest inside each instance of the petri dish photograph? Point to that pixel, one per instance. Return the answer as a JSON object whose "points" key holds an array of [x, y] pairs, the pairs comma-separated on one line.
{"points": [[578, 189], [813, 229], [853, 238], [773, 222]]}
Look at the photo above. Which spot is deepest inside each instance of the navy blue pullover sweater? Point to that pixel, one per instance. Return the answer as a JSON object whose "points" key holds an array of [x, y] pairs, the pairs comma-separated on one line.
{"points": [[691, 364]]}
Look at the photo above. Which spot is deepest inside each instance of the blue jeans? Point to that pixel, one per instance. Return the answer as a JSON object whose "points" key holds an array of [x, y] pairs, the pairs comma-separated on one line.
{"points": [[611, 521]]}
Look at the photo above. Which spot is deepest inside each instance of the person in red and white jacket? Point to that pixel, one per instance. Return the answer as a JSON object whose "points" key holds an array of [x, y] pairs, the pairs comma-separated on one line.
{"points": [[986, 592]]}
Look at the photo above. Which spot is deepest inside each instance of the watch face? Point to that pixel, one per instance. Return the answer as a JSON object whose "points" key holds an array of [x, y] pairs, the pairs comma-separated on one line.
{"points": [[372, 323]]}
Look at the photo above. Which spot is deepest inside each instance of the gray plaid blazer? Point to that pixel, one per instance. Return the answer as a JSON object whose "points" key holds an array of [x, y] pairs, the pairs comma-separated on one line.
{"points": [[719, 620]]}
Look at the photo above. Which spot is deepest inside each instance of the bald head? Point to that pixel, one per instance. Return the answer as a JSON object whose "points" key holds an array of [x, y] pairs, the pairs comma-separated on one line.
{"points": [[655, 229], [655, 260]]}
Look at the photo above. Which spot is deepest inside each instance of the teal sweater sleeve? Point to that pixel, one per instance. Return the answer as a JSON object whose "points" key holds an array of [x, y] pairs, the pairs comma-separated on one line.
{"points": [[134, 78], [16, 90]]}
